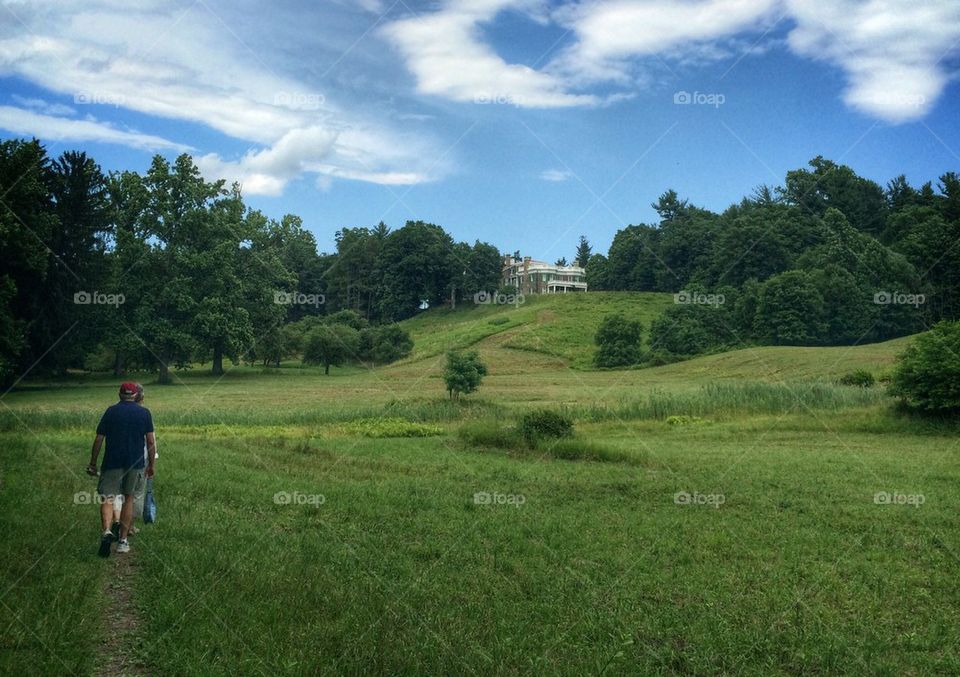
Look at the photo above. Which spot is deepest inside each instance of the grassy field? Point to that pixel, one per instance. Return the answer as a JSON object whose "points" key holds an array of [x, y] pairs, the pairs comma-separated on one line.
{"points": [[783, 525]]}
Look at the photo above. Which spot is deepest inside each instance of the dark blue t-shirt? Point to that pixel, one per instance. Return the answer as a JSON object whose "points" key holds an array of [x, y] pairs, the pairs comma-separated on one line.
{"points": [[125, 426]]}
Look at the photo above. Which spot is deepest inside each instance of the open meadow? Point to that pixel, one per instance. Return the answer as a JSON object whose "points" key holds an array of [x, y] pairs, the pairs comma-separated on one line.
{"points": [[736, 513]]}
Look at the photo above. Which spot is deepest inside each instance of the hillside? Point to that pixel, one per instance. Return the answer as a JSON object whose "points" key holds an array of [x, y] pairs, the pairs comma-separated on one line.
{"points": [[550, 332], [560, 325]]}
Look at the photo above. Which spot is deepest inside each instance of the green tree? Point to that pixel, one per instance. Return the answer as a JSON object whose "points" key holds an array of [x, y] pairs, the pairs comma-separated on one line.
{"points": [[597, 273], [584, 250], [790, 310], [618, 342], [27, 222], [385, 343], [331, 345], [463, 373], [419, 267], [927, 375]]}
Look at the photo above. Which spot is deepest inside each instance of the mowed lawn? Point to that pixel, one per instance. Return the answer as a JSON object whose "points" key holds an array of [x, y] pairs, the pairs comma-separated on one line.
{"points": [[752, 541]]}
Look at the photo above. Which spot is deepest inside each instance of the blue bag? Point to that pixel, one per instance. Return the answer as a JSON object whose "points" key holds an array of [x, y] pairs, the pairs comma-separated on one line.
{"points": [[149, 504]]}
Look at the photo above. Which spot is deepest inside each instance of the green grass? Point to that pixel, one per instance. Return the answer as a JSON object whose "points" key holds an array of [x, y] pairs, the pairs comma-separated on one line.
{"points": [[294, 539]]}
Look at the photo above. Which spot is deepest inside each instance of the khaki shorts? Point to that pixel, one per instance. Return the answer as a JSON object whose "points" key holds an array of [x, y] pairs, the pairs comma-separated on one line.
{"points": [[120, 482]]}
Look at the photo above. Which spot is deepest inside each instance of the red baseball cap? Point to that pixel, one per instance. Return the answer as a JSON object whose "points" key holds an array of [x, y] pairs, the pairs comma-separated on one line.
{"points": [[128, 388]]}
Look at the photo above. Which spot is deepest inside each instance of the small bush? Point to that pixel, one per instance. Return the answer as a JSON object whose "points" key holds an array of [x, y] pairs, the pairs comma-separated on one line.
{"points": [[859, 377], [927, 375], [498, 320], [544, 424]]}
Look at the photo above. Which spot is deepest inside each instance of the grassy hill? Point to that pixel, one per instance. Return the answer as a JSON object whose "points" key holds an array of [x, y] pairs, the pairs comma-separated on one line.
{"points": [[560, 325], [558, 330]]}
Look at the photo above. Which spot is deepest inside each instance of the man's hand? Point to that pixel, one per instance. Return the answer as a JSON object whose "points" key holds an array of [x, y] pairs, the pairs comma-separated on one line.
{"points": [[149, 472], [92, 470]]}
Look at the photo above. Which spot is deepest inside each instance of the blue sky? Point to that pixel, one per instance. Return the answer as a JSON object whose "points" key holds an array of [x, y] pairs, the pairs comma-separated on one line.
{"points": [[517, 122]]}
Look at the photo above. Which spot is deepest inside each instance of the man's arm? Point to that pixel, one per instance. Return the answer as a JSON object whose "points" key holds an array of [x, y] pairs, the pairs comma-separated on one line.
{"points": [[151, 453], [94, 453]]}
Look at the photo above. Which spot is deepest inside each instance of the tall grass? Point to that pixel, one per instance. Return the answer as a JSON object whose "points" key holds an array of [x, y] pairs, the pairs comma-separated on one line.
{"points": [[315, 414], [730, 399]]}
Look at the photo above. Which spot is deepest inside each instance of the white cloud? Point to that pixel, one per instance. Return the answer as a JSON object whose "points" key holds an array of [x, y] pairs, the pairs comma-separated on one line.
{"points": [[890, 50], [445, 52], [44, 107], [555, 175], [178, 60], [52, 128], [611, 33]]}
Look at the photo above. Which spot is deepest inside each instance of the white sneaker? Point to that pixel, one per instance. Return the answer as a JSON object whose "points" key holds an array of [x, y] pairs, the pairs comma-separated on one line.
{"points": [[123, 546]]}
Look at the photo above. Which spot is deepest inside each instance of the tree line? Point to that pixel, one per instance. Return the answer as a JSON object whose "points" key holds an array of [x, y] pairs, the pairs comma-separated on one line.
{"points": [[163, 269], [828, 258]]}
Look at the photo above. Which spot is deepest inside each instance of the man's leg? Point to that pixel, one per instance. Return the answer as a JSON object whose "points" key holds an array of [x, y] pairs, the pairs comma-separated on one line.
{"points": [[126, 516], [106, 512]]}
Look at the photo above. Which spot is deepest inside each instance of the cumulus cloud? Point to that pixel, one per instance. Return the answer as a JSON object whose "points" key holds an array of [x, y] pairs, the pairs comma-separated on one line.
{"points": [[180, 60], [891, 51], [445, 52]]}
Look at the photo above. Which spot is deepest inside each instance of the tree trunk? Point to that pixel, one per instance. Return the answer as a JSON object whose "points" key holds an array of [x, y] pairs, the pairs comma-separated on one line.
{"points": [[164, 378], [326, 369], [118, 363], [218, 361], [278, 363]]}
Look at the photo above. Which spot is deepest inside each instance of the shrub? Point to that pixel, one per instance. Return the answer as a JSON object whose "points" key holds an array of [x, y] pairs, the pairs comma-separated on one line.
{"points": [[927, 375], [618, 342], [385, 343], [498, 320], [544, 424], [858, 377]]}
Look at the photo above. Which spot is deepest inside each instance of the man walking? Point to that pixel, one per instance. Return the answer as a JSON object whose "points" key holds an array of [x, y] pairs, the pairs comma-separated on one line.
{"points": [[126, 426]]}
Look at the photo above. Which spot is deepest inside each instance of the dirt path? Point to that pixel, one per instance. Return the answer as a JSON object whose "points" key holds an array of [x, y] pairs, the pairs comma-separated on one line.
{"points": [[121, 620]]}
